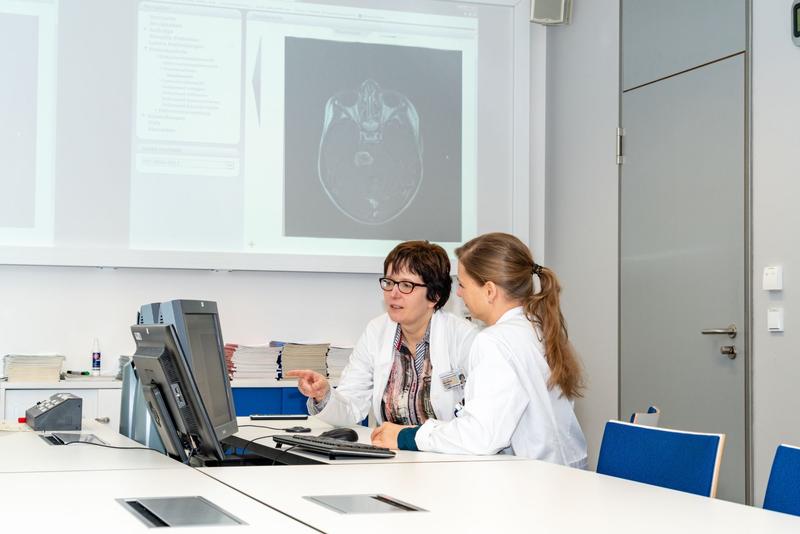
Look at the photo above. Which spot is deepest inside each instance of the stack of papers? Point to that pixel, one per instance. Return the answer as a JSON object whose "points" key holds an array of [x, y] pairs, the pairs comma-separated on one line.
{"points": [[255, 361], [338, 357], [306, 356], [24, 368]]}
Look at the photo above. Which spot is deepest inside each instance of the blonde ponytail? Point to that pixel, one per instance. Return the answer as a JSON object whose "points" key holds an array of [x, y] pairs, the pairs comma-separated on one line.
{"points": [[506, 261], [543, 309]]}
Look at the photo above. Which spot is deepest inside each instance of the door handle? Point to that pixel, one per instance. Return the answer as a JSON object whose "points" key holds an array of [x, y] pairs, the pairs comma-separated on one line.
{"points": [[730, 331]]}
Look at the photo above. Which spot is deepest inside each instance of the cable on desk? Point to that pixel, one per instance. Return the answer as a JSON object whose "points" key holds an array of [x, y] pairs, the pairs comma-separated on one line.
{"points": [[114, 446], [244, 449], [275, 460], [261, 426]]}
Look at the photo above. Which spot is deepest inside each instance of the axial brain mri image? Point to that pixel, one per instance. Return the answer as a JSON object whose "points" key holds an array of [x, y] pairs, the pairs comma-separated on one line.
{"points": [[372, 141], [370, 153]]}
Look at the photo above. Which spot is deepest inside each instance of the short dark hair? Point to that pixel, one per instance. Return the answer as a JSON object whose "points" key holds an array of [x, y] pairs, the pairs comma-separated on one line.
{"points": [[429, 262]]}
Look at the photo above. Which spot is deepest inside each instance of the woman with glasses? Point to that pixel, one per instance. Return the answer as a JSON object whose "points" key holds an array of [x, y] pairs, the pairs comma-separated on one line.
{"points": [[409, 365], [523, 371]]}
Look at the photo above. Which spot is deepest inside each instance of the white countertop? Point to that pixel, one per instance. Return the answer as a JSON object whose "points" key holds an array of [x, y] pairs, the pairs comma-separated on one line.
{"points": [[102, 382]]}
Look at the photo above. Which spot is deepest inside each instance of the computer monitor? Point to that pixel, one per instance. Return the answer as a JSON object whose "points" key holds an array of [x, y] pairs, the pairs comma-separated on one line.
{"points": [[198, 328], [173, 397]]}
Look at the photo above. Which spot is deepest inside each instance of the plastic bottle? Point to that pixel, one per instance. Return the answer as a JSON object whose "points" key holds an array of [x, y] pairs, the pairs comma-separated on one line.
{"points": [[96, 357]]}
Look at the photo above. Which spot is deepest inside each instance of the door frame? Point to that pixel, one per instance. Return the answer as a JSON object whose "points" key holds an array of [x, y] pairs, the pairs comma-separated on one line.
{"points": [[748, 251]]}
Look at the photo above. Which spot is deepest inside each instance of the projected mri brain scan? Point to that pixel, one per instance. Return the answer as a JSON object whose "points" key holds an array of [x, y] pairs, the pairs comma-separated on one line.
{"points": [[370, 153]]}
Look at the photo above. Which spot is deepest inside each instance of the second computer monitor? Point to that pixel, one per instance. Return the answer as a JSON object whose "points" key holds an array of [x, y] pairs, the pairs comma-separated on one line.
{"points": [[197, 325]]}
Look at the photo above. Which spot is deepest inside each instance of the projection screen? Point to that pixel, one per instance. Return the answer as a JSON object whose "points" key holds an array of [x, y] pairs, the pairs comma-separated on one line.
{"points": [[257, 134]]}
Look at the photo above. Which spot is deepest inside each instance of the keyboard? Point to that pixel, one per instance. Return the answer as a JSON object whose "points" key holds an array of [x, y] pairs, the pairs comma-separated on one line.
{"points": [[334, 448]]}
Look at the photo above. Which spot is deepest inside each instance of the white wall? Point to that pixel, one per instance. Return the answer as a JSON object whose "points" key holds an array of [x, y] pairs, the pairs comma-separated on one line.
{"points": [[776, 221], [60, 309], [581, 219]]}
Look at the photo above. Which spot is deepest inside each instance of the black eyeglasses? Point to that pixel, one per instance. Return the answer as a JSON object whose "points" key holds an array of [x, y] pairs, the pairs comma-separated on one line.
{"points": [[387, 284]]}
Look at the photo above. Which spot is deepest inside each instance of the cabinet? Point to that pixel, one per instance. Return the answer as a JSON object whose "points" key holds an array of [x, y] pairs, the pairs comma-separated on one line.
{"points": [[101, 399], [270, 397], [267, 397]]}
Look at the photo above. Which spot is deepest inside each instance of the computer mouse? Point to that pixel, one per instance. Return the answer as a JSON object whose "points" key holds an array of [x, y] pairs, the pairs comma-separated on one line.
{"points": [[346, 434], [297, 429]]}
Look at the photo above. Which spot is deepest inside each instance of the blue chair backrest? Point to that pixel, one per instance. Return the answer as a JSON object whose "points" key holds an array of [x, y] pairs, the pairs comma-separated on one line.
{"points": [[783, 488], [672, 459]]}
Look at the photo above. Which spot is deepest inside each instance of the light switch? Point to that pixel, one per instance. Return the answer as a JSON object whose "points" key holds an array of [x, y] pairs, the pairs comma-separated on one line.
{"points": [[773, 278], [775, 319]]}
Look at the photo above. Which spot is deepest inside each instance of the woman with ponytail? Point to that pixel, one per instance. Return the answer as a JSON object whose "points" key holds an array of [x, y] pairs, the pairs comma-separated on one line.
{"points": [[523, 371]]}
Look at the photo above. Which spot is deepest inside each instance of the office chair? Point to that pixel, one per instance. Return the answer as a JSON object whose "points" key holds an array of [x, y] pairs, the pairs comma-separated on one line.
{"points": [[648, 418], [783, 487], [134, 418], [684, 461]]}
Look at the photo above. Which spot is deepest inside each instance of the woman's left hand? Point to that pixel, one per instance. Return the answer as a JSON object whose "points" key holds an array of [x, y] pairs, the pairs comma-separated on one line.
{"points": [[386, 435]]}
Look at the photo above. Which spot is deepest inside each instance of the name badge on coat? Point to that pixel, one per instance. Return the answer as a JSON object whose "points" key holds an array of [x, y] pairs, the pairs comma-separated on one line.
{"points": [[453, 379]]}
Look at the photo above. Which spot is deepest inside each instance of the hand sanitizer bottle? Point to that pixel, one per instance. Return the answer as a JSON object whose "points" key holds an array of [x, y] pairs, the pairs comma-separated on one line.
{"points": [[96, 357]]}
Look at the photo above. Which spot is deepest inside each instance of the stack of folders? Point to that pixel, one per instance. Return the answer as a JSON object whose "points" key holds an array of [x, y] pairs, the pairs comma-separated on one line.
{"points": [[255, 362], [305, 356], [338, 357], [24, 368]]}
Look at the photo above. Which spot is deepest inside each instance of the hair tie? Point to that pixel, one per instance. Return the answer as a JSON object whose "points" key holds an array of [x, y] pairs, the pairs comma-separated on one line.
{"points": [[537, 269]]}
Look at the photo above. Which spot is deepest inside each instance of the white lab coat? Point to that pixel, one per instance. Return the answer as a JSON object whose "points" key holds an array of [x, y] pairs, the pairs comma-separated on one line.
{"points": [[508, 404], [364, 379]]}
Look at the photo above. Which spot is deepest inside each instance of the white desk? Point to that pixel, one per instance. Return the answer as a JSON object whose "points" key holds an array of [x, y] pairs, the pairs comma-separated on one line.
{"points": [[79, 492], [266, 447], [85, 501], [524, 496], [28, 452]]}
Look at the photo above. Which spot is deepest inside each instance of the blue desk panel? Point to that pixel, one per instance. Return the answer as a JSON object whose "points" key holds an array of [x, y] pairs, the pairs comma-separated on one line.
{"points": [[258, 400], [293, 401], [248, 401]]}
